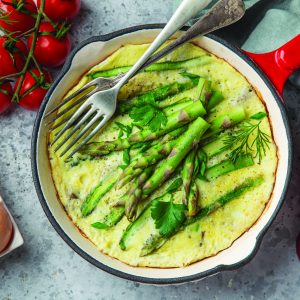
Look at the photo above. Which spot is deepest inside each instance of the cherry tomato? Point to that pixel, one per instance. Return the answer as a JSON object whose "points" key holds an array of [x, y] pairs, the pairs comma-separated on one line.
{"points": [[61, 10], [11, 57], [31, 100], [19, 13], [5, 96], [51, 51]]}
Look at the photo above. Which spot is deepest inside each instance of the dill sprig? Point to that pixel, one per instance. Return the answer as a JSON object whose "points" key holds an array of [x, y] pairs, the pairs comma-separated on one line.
{"points": [[240, 141]]}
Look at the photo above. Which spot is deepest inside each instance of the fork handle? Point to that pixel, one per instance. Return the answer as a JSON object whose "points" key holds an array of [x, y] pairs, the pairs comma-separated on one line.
{"points": [[186, 10], [223, 13]]}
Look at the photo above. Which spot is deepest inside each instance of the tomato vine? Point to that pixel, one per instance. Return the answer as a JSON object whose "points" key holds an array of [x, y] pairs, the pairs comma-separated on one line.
{"points": [[24, 21]]}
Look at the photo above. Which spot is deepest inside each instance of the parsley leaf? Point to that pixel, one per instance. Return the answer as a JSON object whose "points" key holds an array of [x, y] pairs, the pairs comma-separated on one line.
{"points": [[147, 112], [168, 216]]}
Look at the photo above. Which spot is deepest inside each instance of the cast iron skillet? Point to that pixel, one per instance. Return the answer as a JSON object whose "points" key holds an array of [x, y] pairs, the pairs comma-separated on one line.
{"points": [[278, 65]]}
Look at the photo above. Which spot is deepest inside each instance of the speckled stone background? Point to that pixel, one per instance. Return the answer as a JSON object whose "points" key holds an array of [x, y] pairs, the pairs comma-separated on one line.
{"points": [[46, 268]]}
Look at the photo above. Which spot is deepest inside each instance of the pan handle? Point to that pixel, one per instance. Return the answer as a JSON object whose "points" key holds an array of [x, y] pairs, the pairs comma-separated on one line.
{"points": [[279, 64]]}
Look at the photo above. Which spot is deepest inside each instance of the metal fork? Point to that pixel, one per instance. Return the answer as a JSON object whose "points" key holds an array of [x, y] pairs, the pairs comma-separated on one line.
{"points": [[101, 104]]}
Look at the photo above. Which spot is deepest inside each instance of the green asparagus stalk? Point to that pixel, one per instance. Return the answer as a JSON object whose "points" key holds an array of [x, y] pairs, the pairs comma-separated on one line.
{"points": [[214, 100], [223, 122], [215, 147], [177, 106], [110, 220], [153, 155], [185, 142], [156, 240], [163, 66], [174, 121], [228, 166], [203, 92], [174, 134], [157, 94], [98, 193], [134, 227], [216, 96], [187, 174], [150, 157], [135, 193], [193, 198], [125, 178], [238, 191]]}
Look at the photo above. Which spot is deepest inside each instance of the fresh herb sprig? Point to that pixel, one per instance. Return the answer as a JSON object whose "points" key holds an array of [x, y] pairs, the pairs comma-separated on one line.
{"points": [[240, 140], [168, 216], [148, 113]]}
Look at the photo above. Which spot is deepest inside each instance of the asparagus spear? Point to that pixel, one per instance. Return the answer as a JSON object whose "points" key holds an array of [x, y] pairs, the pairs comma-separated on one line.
{"points": [[155, 241], [215, 99], [150, 157], [215, 147], [183, 146], [157, 94], [97, 194], [163, 66], [174, 121], [174, 134], [223, 122], [192, 200], [146, 213], [177, 106], [124, 179], [227, 166], [203, 91], [187, 174], [216, 96], [135, 193], [134, 227], [114, 216]]}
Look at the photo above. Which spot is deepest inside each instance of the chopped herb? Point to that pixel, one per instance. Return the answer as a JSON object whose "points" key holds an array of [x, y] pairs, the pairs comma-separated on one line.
{"points": [[124, 129], [99, 225], [259, 115]]}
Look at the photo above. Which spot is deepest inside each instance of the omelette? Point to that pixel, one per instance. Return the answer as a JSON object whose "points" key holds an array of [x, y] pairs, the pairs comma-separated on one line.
{"points": [[215, 187]]}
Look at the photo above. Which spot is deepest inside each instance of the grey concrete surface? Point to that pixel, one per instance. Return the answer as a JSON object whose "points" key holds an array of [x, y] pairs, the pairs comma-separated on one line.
{"points": [[46, 268]]}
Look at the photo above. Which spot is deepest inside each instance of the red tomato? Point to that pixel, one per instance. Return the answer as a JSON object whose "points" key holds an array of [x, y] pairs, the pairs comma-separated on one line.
{"points": [[5, 96], [20, 17], [34, 98], [8, 65], [51, 51], [61, 10]]}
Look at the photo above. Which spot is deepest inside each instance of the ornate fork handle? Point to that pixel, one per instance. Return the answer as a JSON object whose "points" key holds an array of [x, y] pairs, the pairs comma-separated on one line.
{"points": [[222, 14]]}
